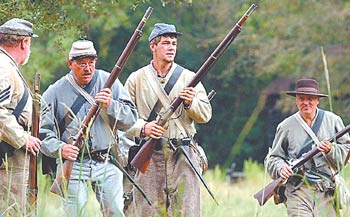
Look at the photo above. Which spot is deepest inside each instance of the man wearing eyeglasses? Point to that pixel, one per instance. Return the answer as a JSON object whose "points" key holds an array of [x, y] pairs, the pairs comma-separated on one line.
{"points": [[67, 103], [16, 141]]}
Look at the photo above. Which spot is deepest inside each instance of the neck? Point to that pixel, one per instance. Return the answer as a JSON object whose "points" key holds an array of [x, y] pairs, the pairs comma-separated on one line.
{"points": [[308, 118], [162, 68], [14, 53]]}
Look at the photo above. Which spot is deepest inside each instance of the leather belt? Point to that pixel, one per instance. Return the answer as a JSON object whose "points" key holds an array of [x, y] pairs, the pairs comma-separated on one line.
{"points": [[96, 155], [174, 141]]}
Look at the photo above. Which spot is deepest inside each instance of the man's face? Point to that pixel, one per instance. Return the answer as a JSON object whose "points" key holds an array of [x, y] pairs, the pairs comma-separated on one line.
{"points": [[165, 49], [83, 69], [307, 104]]}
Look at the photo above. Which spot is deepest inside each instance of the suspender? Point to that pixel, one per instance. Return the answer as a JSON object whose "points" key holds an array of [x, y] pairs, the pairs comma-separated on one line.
{"points": [[168, 87]]}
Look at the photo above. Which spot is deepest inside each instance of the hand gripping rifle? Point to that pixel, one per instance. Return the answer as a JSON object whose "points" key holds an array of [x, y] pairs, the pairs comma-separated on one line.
{"points": [[61, 182], [143, 156], [33, 181], [265, 194]]}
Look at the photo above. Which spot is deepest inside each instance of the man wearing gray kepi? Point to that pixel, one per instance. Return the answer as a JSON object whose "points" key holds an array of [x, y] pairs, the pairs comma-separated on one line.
{"points": [[67, 102], [169, 182], [16, 141], [309, 191]]}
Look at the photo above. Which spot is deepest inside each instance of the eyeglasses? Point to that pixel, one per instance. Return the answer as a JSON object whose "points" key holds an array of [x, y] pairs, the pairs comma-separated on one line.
{"points": [[84, 64]]}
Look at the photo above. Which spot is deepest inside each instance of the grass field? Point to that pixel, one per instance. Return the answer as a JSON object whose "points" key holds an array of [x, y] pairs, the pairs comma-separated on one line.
{"points": [[235, 199]]}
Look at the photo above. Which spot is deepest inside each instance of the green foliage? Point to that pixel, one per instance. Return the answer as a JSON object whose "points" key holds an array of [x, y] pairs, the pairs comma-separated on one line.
{"points": [[280, 39]]}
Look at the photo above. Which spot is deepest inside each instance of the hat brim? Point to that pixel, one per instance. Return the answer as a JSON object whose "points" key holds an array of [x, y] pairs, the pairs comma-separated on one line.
{"points": [[294, 93], [165, 33], [83, 56]]}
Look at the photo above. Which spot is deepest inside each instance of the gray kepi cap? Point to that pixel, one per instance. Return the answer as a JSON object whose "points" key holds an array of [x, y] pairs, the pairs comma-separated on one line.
{"points": [[162, 29], [81, 49], [17, 26]]}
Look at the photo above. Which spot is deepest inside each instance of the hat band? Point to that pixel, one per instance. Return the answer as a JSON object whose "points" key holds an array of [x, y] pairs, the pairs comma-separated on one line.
{"points": [[307, 89]]}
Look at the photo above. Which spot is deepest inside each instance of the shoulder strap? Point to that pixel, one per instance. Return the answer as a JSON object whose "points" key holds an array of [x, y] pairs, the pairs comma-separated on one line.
{"points": [[22, 103], [78, 103], [168, 87], [308, 142]]}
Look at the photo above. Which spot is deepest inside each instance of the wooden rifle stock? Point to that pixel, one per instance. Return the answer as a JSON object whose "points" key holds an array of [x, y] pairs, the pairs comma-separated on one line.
{"points": [[33, 180], [265, 194], [143, 156], [62, 179]]}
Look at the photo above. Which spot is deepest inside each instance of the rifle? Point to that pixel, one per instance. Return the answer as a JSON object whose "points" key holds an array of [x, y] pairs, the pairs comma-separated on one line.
{"points": [[62, 179], [33, 181], [184, 152], [143, 157], [264, 194], [116, 163]]}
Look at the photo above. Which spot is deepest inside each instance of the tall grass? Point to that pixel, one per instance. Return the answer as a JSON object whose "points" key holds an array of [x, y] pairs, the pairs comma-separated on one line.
{"points": [[235, 199]]}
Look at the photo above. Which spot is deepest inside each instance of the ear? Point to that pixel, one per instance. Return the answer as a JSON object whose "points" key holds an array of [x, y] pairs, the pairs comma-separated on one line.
{"points": [[70, 63], [152, 46], [25, 42]]}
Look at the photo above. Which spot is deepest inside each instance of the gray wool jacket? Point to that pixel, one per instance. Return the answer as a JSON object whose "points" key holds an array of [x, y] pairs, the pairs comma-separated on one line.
{"points": [[290, 138], [60, 126]]}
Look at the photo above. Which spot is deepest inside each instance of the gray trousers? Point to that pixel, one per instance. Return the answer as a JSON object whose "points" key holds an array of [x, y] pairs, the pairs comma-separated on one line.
{"points": [[107, 183], [305, 201], [171, 185], [13, 185]]}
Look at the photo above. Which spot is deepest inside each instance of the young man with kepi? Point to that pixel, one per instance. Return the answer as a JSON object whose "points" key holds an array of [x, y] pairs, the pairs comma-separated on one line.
{"points": [[170, 182]]}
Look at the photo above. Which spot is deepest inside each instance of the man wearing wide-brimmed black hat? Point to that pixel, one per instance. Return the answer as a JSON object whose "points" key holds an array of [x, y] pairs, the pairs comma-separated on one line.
{"points": [[310, 191], [15, 116]]}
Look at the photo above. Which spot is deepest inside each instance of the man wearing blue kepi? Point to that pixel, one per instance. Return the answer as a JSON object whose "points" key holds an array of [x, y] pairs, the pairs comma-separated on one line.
{"points": [[16, 141], [67, 103], [169, 182]]}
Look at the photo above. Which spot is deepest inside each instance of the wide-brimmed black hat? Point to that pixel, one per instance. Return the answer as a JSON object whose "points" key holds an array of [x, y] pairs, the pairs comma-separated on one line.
{"points": [[306, 87]]}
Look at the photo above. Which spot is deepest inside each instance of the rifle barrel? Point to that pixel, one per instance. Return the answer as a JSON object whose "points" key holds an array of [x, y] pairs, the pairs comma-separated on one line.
{"points": [[33, 180]]}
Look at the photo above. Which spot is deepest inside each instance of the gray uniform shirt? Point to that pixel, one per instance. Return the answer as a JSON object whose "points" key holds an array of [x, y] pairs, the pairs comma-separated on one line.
{"points": [[142, 93], [290, 136], [57, 102]]}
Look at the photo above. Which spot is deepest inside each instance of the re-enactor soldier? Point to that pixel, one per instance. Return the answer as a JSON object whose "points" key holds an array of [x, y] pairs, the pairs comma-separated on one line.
{"points": [[67, 102], [15, 117], [310, 191], [169, 182]]}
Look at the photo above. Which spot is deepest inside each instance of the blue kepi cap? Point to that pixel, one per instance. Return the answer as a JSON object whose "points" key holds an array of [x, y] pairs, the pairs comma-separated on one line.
{"points": [[163, 29]]}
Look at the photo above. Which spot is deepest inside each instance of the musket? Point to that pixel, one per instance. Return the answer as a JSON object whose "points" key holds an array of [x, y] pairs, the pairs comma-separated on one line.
{"points": [[265, 194], [143, 156], [116, 163], [33, 181], [61, 182], [184, 152]]}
